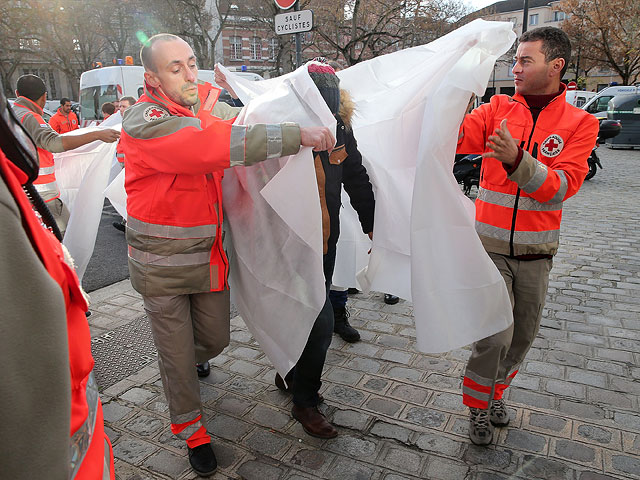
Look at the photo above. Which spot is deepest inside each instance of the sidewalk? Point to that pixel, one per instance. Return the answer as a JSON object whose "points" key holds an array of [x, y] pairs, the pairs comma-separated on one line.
{"points": [[575, 404]]}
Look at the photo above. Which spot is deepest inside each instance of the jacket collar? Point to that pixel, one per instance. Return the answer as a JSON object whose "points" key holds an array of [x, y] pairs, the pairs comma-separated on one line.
{"points": [[155, 95], [31, 105], [562, 95]]}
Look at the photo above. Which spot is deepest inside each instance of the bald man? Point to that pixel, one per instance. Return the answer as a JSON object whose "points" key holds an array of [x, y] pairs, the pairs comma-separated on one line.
{"points": [[177, 141]]}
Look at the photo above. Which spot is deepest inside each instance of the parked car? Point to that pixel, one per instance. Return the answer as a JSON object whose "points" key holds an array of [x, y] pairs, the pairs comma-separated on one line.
{"points": [[598, 104]]}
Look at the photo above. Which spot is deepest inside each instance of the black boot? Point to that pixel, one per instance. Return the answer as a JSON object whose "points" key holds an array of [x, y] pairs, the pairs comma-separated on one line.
{"points": [[203, 460], [204, 369], [341, 325]]}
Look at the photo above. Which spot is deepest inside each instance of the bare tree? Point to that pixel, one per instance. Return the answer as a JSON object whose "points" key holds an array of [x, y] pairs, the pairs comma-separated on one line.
{"points": [[606, 33]]}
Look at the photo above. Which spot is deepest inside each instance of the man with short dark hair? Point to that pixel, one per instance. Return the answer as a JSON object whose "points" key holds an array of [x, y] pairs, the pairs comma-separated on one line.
{"points": [[32, 95], [64, 119], [177, 140], [107, 110], [535, 148], [125, 102]]}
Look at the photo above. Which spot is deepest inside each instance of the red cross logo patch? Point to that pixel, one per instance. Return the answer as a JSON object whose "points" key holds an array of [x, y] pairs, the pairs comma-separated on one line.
{"points": [[552, 145], [154, 113]]}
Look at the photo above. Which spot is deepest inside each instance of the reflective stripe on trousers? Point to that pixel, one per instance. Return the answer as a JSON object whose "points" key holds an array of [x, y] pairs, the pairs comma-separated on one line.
{"points": [[81, 439]]}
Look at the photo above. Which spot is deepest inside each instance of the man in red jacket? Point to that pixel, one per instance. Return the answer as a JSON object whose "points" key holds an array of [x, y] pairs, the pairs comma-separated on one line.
{"points": [[64, 119], [177, 141], [535, 148]]}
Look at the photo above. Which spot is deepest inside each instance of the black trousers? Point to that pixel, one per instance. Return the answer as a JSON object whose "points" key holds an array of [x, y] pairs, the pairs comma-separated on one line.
{"points": [[307, 372]]}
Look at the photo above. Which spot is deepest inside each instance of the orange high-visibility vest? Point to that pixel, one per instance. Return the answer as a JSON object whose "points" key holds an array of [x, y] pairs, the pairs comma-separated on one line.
{"points": [[45, 184], [62, 123], [524, 219]]}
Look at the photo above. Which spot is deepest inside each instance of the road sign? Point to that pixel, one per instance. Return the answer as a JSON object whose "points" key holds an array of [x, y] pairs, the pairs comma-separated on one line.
{"points": [[572, 86], [285, 4], [294, 22]]}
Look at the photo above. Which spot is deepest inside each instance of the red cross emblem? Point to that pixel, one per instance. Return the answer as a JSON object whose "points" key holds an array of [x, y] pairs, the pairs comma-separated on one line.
{"points": [[552, 145], [153, 113]]}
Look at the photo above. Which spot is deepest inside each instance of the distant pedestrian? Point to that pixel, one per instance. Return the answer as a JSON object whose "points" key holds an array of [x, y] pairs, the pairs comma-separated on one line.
{"points": [[107, 109], [535, 148], [32, 95], [125, 102], [64, 119]]}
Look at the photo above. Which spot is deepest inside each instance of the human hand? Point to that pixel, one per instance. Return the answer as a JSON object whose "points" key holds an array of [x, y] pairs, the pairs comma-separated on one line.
{"points": [[108, 135], [320, 138], [504, 147], [221, 80], [370, 235]]}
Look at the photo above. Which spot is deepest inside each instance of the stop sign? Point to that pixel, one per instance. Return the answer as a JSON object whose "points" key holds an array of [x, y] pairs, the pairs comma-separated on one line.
{"points": [[285, 4], [572, 86]]}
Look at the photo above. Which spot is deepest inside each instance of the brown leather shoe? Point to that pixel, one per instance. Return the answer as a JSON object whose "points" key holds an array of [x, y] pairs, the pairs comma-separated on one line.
{"points": [[313, 422]]}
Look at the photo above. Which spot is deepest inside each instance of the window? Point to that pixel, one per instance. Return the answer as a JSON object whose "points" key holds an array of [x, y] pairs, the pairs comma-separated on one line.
{"points": [[92, 98], [29, 43], [533, 19], [52, 84], [76, 44], [256, 48], [235, 44], [273, 48], [558, 16]]}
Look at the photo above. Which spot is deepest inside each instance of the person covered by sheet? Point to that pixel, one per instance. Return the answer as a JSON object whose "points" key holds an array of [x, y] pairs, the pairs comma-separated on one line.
{"points": [[177, 141], [535, 148]]}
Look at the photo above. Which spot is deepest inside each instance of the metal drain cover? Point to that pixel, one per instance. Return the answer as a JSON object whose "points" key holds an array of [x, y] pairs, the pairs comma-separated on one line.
{"points": [[122, 352]]}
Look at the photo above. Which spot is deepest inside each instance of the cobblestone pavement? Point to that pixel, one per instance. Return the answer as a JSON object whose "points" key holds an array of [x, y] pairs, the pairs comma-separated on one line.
{"points": [[575, 404]]}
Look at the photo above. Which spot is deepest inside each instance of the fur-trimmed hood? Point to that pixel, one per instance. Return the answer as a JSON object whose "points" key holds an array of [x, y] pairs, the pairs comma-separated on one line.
{"points": [[347, 107]]}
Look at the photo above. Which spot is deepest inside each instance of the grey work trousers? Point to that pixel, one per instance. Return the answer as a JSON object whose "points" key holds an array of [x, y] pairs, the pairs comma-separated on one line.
{"points": [[187, 329], [60, 214], [495, 360]]}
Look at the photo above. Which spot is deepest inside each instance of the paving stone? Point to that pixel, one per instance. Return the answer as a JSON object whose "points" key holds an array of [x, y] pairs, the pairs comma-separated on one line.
{"points": [[548, 422], [493, 458], [245, 368], [448, 401], [167, 463], [355, 447], [545, 369], [256, 470], [383, 406], [525, 441], [216, 377], [567, 389], [397, 356], [430, 364], [345, 395], [607, 397], [268, 417], [528, 397], [351, 419], [366, 365], [626, 464], [376, 384], [234, 404], [133, 450], [393, 341], [581, 410], [607, 367], [444, 469], [362, 348], [138, 396], [627, 420], [439, 444], [544, 469], [403, 373], [425, 417], [574, 451], [528, 382], [226, 454], [594, 476], [391, 431], [403, 460], [597, 434], [617, 355], [245, 386], [312, 460], [623, 385], [266, 442], [409, 393], [343, 375], [346, 468], [144, 425], [114, 412], [228, 427]]}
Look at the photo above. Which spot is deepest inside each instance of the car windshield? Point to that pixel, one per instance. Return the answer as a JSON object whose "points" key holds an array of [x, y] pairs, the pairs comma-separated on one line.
{"points": [[92, 98]]}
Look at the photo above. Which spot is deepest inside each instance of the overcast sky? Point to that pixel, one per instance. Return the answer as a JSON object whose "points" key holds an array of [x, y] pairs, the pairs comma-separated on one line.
{"points": [[476, 4]]}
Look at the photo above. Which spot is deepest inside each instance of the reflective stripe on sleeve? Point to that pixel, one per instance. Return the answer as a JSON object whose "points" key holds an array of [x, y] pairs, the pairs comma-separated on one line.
{"points": [[46, 187], [237, 145], [274, 141], [81, 439], [175, 260], [525, 238], [46, 170], [562, 191], [538, 178], [171, 231]]}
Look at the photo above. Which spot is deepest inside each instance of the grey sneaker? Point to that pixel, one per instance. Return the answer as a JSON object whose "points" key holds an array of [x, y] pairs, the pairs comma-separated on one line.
{"points": [[480, 429], [498, 413]]}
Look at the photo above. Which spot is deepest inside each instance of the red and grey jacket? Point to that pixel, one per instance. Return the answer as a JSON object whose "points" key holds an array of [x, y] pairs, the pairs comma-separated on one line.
{"points": [[48, 142], [520, 213], [175, 159]]}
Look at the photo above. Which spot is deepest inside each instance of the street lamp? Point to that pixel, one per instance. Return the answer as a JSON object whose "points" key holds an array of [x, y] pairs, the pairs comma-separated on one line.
{"points": [[525, 14]]}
